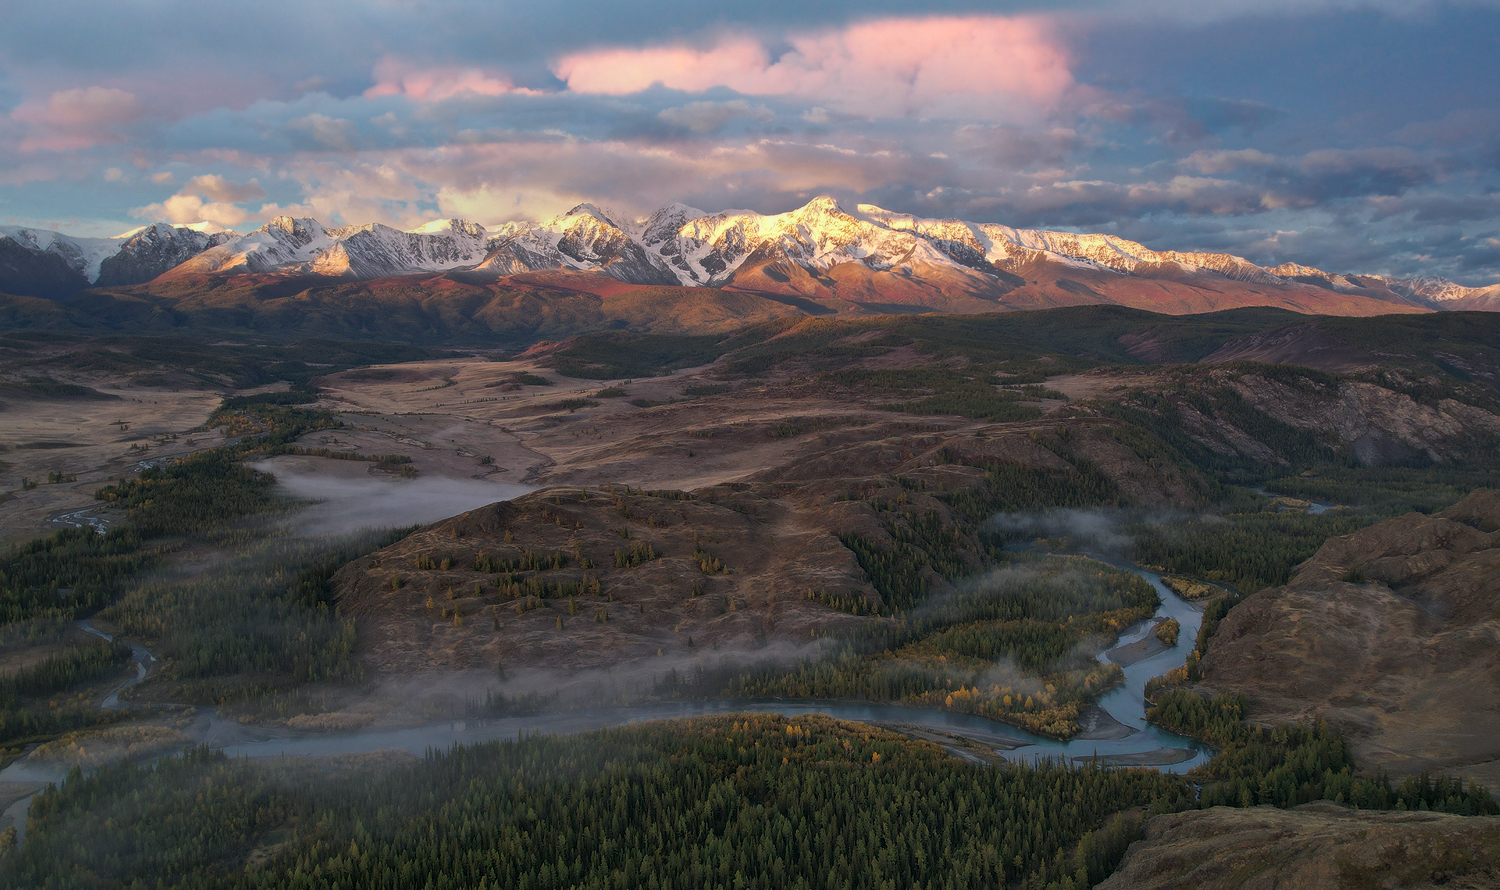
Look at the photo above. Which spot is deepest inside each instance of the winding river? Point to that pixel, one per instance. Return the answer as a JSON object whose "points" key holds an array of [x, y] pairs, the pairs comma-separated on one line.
{"points": [[1127, 739], [1145, 743]]}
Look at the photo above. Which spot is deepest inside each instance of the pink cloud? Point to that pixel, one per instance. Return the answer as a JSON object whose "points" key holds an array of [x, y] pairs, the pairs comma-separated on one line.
{"points": [[394, 77], [982, 66], [78, 118]]}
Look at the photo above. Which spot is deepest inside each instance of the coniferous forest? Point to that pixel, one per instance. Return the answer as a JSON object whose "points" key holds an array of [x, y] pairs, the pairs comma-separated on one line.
{"points": [[734, 801]]}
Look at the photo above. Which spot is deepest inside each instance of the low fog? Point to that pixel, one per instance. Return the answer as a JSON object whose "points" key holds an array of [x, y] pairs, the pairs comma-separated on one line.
{"points": [[345, 505], [1096, 530]]}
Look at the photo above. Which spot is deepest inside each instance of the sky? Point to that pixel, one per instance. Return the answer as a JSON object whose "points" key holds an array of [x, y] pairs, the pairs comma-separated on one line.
{"points": [[1350, 135]]}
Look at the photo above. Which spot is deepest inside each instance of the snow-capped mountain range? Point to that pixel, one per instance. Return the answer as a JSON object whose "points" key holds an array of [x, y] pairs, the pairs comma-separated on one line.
{"points": [[820, 250], [38, 262]]}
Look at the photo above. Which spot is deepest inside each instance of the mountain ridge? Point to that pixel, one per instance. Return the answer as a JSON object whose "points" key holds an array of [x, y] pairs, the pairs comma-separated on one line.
{"points": [[821, 251]]}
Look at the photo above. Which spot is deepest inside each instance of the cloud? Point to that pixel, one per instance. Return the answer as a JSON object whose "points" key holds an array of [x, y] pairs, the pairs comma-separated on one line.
{"points": [[1203, 11], [217, 188], [1213, 162], [494, 182], [1096, 530], [705, 117], [394, 77], [1198, 124], [968, 67], [185, 209], [1217, 115], [1437, 208], [323, 133], [78, 118], [205, 198]]}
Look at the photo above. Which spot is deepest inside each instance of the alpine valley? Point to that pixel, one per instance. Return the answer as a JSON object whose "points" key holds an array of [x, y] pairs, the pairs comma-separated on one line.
{"points": [[835, 548]]}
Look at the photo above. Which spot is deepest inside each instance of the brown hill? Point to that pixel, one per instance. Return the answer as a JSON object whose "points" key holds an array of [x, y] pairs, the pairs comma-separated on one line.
{"points": [[589, 578], [428, 308], [1172, 290], [845, 287], [752, 563], [1392, 633], [1317, 846]]}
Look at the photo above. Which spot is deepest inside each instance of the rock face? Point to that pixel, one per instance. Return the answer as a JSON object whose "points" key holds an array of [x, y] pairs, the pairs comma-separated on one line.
{"points": [[1317, 846], [1391, 633], [1376, 424]]}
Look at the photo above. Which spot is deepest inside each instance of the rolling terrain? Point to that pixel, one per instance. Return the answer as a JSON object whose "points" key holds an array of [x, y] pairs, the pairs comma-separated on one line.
{"points": [[796, 460]]}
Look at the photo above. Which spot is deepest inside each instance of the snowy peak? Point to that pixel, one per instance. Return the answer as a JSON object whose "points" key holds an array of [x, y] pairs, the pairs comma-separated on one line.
{"points": [[41, 262], [1294, 270], [712, 248], [667, 222], [305, 246], [284, 241], [821, 249], [82, 255], [377, 251], [461, 227], [207, 228], [1435, 290], [153, 250], [588, 211], [1431, 291], [586, 238], [294, 232]]}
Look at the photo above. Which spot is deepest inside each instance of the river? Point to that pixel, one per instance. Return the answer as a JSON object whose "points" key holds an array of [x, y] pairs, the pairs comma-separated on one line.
{"points": [[1142, 743], [1125, 704], [1313, 507]]}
